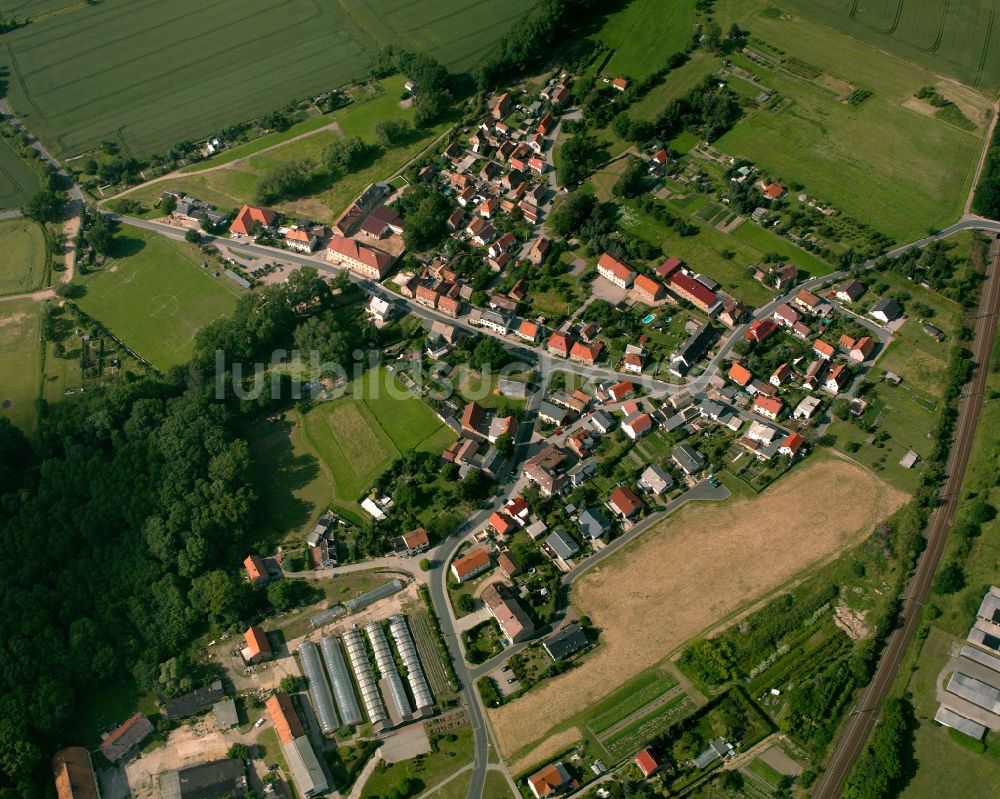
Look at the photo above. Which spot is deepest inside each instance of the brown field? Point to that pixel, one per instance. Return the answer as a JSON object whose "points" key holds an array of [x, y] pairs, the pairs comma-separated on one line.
{"points": [[694, 570]]}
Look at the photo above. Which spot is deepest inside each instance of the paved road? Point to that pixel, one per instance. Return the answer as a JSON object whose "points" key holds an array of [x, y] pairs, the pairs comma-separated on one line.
{"points": [[8, 115], [862, 719]]}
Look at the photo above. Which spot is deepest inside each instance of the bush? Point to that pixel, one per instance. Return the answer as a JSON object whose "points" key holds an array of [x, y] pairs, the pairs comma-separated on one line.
{"points": [[950, 579]]}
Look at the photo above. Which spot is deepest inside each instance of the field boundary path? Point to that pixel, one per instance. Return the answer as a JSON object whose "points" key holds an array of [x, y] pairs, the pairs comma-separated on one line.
{"points": [[967, 211], [861, 722], [179, 173]]}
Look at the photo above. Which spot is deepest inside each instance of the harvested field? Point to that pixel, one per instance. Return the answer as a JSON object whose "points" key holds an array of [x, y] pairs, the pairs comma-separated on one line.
{"points": [[733, 554]]}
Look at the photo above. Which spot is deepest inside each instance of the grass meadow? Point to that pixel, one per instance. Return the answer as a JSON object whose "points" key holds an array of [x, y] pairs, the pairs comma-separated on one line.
{"points": [[332, 453], [154, 296], [20, 362], [881, 162], [236, 184], [17, 180], [22, 265], [149, 74]]}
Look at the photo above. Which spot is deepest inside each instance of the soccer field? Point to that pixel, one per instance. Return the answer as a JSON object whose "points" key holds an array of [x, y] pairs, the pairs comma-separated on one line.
{"points": [[22, 256], [149, 74], [157, 297]]}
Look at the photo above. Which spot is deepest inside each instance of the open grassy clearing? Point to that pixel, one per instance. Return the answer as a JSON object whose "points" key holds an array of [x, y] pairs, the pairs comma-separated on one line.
{"points": [[644, 33], [18, 181], [951, 38], [447, 758], [358, 436], [144, 74], [826, 144], [154, 296], [732, 554], [22, 263], [20, 361], [237, 183]]}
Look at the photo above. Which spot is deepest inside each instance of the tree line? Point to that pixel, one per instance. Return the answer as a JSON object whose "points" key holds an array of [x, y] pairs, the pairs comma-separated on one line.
{"points": [[120, 529]]}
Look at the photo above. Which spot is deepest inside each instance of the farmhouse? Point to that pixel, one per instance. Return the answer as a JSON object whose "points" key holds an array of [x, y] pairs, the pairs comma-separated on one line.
{"points": [[695, 292], [615, 271], [551, 780], [767, 407], [502, 106], [785, 276], [415, 541], [886, 311], [637, 425], [307, 774], [74, 774], [774, 191], [656, 479], [552, 413], [256, 569], [602, 422], [366, 261], [688, 459], [348, 221], [732, 312], [649, 290], [561, 544], [492, 320], [300, 240], [258, 648], [249, 219], [837, 379], [504, 607], [568, 641], [125, 739], [473, 562], [850, 291]]}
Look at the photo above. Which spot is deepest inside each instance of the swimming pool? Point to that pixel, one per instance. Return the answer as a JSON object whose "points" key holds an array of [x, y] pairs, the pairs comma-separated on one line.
{"points": [[649, 318]]}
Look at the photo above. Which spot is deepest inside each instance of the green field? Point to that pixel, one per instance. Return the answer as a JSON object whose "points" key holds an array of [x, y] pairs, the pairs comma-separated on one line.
{"points": [[22, 266], [358, 436], [428, 770], [154, 296], [914, 173], [951, 38], [235, 185], [644, 34], [150, 74], [17, 180], [20, 361]]}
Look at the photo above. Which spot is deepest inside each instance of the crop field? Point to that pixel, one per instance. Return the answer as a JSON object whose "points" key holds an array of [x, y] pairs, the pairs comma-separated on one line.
{"points": [[814, 137], [357, 437], [22, 265], [730, 555], [20, 361], [458, 33], [148, 74], [951, 38], [229, 183], [17, 180], [644, 34], [155, 297]]}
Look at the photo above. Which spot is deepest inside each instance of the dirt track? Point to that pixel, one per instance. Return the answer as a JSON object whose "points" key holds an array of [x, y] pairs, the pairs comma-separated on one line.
{"points": [[699, 566]]}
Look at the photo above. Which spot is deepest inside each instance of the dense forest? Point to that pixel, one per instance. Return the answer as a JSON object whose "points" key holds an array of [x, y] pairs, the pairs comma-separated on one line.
{"points": [[120, 528]]}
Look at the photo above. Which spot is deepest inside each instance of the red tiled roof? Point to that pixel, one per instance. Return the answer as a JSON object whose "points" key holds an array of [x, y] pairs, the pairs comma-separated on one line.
{"points": [[369, 256], [528, 329], [257, 642], [622, 389], [793, 442], [768, 405], [501, 522], [471, 561], [739, 374], [416, 538], [298, 234], [649, 286], [646, 762], [587, 352], [760, 329], [693, 289], [248, 215], [254, 564], [558, 341], [642, 422], [822, 347], [668, 267], [286, 721], [625, 500], [619, 269]]}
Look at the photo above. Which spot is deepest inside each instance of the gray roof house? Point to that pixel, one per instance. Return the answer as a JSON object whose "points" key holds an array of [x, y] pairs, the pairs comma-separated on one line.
{"points": [[717, 749], [602, 422], [688, 459], [205, 781], [886, 311], [549, 412], [564, 643], [593, 524], [581, 473], [691, 351], [562, 544], [196, 701], [226, 717], [656, 479]]}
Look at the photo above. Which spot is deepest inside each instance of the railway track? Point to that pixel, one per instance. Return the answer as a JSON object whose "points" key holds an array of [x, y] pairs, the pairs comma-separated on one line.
{"points": [[865, 714]]}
